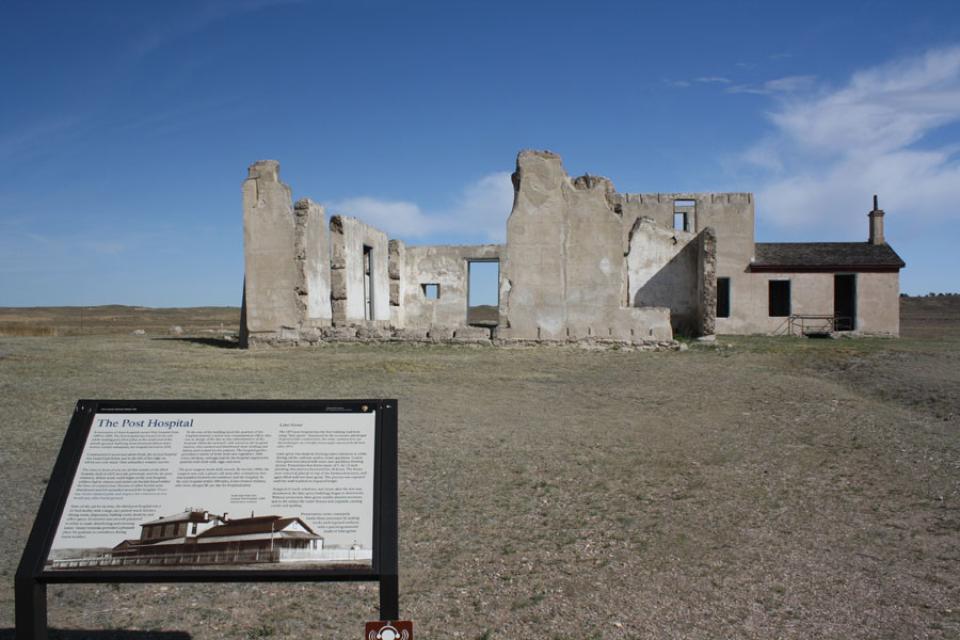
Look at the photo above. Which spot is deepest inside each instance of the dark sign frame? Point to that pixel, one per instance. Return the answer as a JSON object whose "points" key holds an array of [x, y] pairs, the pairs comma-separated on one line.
{"points": [[32, 577]]}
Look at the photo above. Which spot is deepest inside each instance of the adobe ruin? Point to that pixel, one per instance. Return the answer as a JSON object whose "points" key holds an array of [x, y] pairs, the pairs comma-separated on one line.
{"points": [[581, 263]]}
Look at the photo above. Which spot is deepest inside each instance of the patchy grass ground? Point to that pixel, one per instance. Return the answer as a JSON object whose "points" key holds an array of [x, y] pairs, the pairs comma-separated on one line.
{"points": [[116, 319], [764, 488]]}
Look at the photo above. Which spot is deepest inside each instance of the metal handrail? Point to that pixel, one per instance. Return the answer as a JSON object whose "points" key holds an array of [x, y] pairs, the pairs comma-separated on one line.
{"points": [[797, 324]]}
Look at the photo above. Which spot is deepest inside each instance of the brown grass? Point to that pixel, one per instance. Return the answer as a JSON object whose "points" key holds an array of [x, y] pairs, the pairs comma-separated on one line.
{"points": [[753, 489], [26, 329], [119, 320]]}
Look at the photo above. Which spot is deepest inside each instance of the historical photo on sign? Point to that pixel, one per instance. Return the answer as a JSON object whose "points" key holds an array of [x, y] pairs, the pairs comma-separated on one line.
{"points": [[209, 490]]}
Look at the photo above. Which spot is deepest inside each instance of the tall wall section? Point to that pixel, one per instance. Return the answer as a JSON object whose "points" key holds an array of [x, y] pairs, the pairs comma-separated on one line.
{"points": [[564, 274], [286, 261]]}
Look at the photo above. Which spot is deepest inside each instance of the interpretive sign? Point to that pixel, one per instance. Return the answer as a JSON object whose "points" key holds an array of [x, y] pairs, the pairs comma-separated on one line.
{"points": [[217, 490]]}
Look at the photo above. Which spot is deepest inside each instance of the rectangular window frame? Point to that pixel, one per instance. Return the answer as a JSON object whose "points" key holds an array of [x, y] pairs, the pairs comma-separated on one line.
{"points": [[723, 297], [777, 308], [426, 287]]}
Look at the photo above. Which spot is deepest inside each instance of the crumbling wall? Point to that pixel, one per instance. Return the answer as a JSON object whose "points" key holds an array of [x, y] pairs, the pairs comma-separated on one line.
{"points": [[270, 277], [396, 265], [286, 260], [447, 267], [731, 216], [312, 255], [663, 267], [564, 274], [348, 238], [707, 281]]}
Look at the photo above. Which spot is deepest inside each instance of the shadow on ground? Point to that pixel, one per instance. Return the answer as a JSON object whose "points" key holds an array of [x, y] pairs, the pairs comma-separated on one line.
{"points": [[115, 634], [220, 343]]}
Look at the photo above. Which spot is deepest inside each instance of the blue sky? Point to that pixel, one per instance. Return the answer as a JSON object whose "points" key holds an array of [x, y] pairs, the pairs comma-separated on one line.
{"points": [[126, 128]]}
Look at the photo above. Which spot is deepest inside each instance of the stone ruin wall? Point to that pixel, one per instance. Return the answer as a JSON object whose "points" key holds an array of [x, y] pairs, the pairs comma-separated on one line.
{"points": [[582, 264]]}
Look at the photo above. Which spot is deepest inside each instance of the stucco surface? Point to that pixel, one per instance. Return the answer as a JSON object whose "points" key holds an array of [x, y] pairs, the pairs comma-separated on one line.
{"points": [[348, 238], [812, 294], [312, 256], [446, 266], [268, 240], [564, 273]]}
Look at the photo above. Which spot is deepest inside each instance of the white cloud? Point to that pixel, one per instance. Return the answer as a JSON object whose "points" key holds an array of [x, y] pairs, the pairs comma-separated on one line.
{"points": [[881, 109], [787, 84], [480, 212], [831, 149], [713, 79], [485, 205], [395, 217]]}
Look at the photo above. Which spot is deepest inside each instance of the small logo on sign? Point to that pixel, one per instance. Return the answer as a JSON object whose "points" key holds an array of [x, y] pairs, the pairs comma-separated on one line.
{"points": [[389, 630]]}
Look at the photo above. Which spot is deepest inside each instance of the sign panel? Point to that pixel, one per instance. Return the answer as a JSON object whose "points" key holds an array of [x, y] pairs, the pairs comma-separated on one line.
{"points": [[220, 490], [217, 491]]}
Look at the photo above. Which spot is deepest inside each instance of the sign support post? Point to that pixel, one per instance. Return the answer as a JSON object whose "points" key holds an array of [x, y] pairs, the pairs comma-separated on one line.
{"points": [[31, 609], [389, 488]]}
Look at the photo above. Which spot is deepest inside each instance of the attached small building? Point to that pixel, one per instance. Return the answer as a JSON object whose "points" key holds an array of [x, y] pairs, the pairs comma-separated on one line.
{"points": [[197, 536], [581, 262]]}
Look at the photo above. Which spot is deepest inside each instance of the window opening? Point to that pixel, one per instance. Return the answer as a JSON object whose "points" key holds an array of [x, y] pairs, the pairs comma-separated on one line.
{"points": [[779, 306], [431, 291], [684, 215], [483, 292], [723, 297]]}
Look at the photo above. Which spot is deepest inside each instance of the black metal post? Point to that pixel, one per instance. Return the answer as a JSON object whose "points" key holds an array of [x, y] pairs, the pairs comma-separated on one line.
{"points": [[389, 597], [389, 524], [31, 609]]}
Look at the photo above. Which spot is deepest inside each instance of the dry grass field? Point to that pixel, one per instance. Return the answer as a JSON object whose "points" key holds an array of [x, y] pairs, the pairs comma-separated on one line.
{"points": [[756, 488]]}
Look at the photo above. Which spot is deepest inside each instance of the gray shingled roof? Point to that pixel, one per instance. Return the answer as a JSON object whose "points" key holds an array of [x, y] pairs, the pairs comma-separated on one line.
{"points": [[825, 255]]}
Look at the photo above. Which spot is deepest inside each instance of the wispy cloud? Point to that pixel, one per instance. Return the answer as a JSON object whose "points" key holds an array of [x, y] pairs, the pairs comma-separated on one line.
{"points": [[787, 84], [106, 248], [199, 16], [39, 137], [713, 79], [66, 252], [683, 84], [479, 211], [831, 148]]}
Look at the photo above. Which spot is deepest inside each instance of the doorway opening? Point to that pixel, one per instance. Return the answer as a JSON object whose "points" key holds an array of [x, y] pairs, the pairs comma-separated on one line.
{"points": [[779, 298], [845, 301], [483, 293], [367, 282]]}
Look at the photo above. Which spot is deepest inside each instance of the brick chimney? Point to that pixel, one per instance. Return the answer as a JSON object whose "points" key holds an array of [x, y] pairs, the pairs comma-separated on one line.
{"points": [[876, 224]]}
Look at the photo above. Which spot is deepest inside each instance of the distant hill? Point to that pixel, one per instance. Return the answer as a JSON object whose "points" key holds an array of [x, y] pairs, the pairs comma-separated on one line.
{"points": [[116, 319], [484, 314], [929, 316]]}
